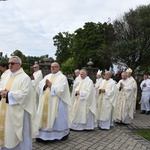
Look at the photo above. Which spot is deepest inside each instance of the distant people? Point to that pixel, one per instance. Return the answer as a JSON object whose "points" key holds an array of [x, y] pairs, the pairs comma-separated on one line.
{"points": [[37, 77], [134, 87], [84, 108], [4, 69], [18, 117], [107, 102], [99, 80], [54, 106], [77, 78], [75, 83], [117, 76], [145, 99], [124, 108]]}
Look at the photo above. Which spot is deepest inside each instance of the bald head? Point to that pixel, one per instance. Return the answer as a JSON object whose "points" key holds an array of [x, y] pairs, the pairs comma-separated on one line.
{"points": [[55, 64], [124, 75], [55, 67], [108, 75]]}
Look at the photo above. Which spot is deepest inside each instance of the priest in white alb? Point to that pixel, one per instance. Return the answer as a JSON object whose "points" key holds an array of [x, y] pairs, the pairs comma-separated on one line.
{"points": [[107, 102], [54, 106], [75, 84], [37, 77], [124, 109], [18, 118], [84, 107], [134, 88], [99, 80], [145, 98]]}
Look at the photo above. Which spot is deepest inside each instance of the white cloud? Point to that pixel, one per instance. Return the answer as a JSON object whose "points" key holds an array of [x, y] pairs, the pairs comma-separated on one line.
{"points": [[30, 25]]}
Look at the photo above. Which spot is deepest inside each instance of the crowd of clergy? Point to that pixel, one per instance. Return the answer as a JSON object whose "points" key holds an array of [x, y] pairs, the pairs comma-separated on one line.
{"points": [[45, 109]]}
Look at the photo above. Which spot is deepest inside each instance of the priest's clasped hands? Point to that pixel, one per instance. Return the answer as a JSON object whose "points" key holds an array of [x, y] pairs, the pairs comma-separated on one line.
{"points": [[121, 86], [77, 93], [4, 93], [48, 83], [101, 91]]}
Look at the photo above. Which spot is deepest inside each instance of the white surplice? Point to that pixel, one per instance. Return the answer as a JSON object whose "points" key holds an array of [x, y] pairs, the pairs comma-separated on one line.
{"points": [[124, 109], [134, 88], [85, 112], [21, 118], [38, 76], [107, 104], [75, 85], [58, 119], [145, 99]]}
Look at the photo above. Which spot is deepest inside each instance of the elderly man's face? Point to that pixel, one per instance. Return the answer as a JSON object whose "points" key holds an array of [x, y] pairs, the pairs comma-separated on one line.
{"points": [[129, 74], [124, 76], [83, 74], [54, 67], [107, 75], [77, 73], [98, 76], [14, 65], [35, 68]]}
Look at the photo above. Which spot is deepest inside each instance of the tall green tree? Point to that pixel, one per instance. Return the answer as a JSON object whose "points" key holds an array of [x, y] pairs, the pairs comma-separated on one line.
{"points": [[63, 41], [68, 66], [25, 61], [19, 54], [93, 41], [132, 32]]}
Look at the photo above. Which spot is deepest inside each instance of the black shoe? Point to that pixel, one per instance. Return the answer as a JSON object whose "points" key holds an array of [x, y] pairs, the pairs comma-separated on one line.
{"points": [[72, 130], [148, 113], [39, 140], [125, 123], [142, 112], [118, 123], [65, 137]]}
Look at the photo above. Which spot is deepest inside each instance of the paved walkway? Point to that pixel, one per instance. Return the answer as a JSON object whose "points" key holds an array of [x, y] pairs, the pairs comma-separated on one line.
{"points": [[119, 137]]}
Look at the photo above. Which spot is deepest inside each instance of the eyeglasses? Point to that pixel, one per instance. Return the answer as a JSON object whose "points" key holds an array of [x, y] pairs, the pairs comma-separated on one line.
{"points": [[12, 63], [34, 67], [54, 66]]}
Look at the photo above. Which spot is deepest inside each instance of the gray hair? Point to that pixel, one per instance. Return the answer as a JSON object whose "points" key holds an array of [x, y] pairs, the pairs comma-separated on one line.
{"points": [[18, 59], [84, 70], [124, 73], [36, 65], [56, 63], [77, 70]]}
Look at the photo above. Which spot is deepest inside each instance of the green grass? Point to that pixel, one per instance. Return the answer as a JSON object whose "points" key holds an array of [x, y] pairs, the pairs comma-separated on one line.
{"points": [[145, 133]]}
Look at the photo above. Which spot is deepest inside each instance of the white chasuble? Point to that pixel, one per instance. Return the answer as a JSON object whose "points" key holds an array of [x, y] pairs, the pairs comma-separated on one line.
{"points": [[107, 100], [49, 99], [124, 102], [21, 90], [85, 101]]}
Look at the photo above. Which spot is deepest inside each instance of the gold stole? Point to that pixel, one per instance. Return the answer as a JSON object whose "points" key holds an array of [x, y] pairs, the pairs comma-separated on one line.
{"points": [[77, 98], [101, 97], [45, 106], [3, 112]]}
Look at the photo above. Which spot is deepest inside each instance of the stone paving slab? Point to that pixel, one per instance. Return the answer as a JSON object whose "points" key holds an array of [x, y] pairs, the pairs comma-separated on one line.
{"points": [[119, 137], [140, 121]]}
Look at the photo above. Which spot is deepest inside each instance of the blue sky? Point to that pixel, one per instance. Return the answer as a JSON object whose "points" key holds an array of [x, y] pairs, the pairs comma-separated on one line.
{"points": [[30, 25]]}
